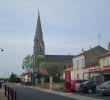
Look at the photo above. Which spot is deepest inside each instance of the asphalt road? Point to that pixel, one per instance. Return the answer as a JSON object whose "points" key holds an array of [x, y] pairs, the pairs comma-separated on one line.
{"points": [[24, 93]]}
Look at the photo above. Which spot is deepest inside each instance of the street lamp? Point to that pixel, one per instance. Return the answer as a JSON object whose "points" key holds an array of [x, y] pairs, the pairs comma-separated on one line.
{"points": [[1, 49]]}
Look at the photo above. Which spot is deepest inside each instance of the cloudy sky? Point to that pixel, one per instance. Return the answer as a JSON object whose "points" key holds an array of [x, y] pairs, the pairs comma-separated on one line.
{"points": [[68, 26]]}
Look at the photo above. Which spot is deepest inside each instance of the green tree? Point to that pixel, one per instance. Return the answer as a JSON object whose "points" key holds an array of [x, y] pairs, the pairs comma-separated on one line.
{"points": [[38, 62], [13, 78], [33, 61], [52, 69], [27, 62]]}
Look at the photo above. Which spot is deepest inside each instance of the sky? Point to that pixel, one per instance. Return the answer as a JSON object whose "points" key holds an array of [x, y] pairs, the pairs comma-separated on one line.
{"points": [[67, 25]]}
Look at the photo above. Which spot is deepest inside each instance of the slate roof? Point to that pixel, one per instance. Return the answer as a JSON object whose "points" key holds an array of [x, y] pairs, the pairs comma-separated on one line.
{"points": [[59, 57], [91, 55], [91, 50], [105, 54]]}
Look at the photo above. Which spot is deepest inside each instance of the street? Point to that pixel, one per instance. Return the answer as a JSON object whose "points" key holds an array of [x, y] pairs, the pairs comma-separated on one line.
{"points": [[24, 93], [32, 93]]}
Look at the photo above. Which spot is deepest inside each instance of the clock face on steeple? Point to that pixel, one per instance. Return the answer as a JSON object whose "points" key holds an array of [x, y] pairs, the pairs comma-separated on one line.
{"points": [[39, 46]]}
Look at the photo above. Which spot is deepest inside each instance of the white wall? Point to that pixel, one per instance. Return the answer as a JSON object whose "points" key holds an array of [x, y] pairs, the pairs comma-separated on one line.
{"points": [[104, 61], [78, 65]]}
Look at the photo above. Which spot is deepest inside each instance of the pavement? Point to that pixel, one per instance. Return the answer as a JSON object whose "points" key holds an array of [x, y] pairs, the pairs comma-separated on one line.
{"points": [[2, 96]]}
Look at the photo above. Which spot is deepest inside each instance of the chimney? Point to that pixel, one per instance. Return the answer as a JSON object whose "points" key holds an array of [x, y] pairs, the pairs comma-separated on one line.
{"points": [[109, 46]]}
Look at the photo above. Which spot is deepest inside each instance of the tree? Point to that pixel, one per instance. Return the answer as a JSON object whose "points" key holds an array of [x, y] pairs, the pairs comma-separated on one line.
{"points": [[27, 62], [38, 62], [33, 61], [52, 70], [13, 78]]}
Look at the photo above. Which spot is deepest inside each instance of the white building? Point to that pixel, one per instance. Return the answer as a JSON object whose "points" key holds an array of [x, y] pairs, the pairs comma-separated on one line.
{"points": [[78, 67], [85, 65]]}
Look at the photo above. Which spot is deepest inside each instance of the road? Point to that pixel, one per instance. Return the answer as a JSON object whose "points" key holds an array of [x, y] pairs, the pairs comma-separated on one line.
{"points": [[25, 93], [31, 93]]}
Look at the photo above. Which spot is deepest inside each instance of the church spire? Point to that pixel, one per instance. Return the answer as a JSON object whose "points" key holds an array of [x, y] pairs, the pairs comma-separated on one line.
{"points": [[39, 47], [39, 27]]}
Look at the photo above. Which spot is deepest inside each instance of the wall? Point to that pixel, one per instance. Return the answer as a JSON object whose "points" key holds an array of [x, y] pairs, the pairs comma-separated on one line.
{"points": [[78, 67]]}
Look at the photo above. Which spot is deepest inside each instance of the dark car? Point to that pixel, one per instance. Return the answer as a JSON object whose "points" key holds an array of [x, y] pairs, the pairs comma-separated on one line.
{"points": [[75, 84], [1, 82], [88, 86], [104, 88]]}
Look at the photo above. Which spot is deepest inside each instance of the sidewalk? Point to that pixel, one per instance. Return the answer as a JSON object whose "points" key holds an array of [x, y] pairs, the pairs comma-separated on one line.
{"points": [[2, 96], [70, 95]]}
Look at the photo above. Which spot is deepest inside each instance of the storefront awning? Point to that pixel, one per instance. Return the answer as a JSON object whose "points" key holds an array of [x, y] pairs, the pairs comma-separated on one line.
{"points": [[105, 68]]}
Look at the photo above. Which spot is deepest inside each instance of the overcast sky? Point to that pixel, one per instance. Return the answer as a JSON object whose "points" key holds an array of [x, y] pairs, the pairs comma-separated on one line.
{"points": [[68, 26]]}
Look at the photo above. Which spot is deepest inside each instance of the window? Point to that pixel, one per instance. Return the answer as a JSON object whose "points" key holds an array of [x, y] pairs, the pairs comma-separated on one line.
{"points": [[82, 62], [77, 64], [107, 61], [77, 76]]}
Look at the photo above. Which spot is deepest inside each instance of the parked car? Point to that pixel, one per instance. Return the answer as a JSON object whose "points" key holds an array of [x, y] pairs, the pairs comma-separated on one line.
{"points": [[75, 85], [88, 86], [104, 88], [1, 81]]}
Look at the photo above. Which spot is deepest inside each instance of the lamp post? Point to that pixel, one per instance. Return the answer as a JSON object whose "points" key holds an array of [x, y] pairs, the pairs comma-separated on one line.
{"points": [[1, 49]]}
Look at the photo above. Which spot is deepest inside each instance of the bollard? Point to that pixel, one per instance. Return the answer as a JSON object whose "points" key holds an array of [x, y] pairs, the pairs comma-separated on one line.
{"points": [[0, 85], [5, 90], [15, 96], [12, 94], [8, 94]]}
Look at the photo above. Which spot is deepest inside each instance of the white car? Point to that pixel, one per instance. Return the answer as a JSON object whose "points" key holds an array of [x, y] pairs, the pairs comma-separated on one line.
{"points": [[104, 88]]}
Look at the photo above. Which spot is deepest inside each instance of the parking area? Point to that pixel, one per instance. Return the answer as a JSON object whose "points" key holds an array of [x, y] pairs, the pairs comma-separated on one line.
{"points": [[94, 95]]}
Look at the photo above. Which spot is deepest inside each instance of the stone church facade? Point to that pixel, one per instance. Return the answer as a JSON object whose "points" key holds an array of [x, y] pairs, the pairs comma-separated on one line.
{"points": [[61, 61]]}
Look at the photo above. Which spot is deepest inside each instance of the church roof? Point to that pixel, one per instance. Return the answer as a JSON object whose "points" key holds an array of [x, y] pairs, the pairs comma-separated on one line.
{"points": [[60, 57]]}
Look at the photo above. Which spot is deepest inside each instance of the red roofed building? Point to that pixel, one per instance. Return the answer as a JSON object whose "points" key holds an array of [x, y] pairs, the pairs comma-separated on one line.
{"points": [[86, 65], [104, 61]]}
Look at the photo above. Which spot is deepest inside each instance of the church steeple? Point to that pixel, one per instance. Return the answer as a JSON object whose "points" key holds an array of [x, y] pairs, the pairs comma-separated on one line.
{"points": [[39, 27], [39, 47]]}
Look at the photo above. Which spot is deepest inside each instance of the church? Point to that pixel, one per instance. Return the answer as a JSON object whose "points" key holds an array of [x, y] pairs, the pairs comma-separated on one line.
{"points": [[61, 61]]}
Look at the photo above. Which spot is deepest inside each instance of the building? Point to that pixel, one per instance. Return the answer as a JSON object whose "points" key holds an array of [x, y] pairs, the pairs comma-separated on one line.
{"points": [[39, 46], [78, 67], [39, 49], [85, 65], [104, 62]]}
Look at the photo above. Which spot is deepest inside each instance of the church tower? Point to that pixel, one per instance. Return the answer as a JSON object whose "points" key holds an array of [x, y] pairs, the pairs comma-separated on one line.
{"points": [[39, 46]]}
